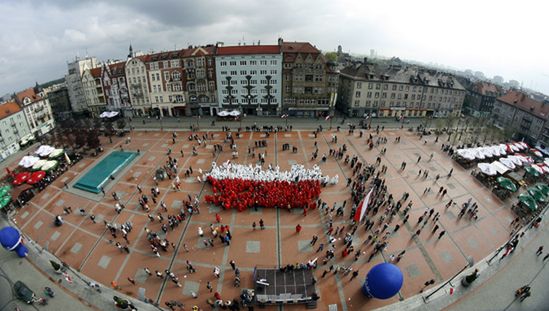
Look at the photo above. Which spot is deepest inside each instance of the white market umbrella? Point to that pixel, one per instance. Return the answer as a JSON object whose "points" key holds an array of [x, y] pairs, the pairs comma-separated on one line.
{"points": [[223, 113], [56, 153], [499, 167], [38, 164], [508, 162], [487, 169], [546, 161], [234, 113], [49, 165], [28, 161]]}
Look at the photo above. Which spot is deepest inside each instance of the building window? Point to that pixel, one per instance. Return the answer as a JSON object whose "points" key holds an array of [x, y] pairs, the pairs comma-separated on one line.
{"points": [[223, 63], [253, 72], [359, 85], [253, 63], [232, 63], [243, 72], [357, 94], [273, 62], [263, 72], [234, 72], [242, 63], [263, 62], [273, 72]]}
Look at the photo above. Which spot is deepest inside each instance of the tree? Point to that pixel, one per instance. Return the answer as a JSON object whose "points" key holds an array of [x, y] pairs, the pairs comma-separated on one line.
{"points": [[121, 123], [331, 56], [93, 139], [109, 128]]}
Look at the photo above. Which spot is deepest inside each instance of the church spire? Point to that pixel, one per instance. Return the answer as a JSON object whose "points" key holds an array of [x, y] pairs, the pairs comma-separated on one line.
{"points": [[130, 55]]}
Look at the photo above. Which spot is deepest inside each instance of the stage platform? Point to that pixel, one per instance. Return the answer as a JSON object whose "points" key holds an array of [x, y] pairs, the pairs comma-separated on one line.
{"points": [[273, 286]]}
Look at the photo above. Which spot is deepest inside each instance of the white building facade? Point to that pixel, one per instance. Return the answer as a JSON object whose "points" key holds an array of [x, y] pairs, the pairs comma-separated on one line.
{"points": [[74, 82], [37, 111], [138, 86], [249, 79], [13, 129]]}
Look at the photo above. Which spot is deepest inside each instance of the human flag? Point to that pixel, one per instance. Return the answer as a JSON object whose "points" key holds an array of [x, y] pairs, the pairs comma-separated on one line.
{"points": [[362, 207]]}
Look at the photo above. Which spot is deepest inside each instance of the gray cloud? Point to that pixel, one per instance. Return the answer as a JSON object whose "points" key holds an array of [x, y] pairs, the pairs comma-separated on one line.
{"points": [[39, 37]]}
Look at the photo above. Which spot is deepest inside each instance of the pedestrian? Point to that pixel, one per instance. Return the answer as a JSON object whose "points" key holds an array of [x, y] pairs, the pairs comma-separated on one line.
{"points": [[539, 251], [546, 257], [261, 224], [396, 228], [233, 264], [92, 217], [131, 280], [209, 286], [355, 274], [217, 218], [115, 285], [216, 272], [298, 228], [148, 271], [441, 234], [324, 273]]}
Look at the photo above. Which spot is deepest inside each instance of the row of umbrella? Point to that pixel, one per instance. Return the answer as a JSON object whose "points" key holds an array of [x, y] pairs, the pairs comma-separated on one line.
{"points": [[509, 163], [482, 153], [234, 113], [28, 177], [533, 195]]}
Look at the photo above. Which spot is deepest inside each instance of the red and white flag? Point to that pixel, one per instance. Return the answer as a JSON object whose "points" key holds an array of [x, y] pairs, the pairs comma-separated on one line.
{"points": [[362, 207], [284, 116], [328, 118]]}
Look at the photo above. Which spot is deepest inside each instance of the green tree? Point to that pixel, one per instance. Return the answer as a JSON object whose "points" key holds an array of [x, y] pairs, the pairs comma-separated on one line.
{"points": [[331, 56], [121, 123]]}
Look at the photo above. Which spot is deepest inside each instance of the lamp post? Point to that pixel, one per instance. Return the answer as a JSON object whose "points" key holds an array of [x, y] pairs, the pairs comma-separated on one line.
{"points": [[470, 263]]}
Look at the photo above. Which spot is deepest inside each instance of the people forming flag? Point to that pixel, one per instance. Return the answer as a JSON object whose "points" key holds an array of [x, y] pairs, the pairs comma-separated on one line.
{"points": [[246, 186]]}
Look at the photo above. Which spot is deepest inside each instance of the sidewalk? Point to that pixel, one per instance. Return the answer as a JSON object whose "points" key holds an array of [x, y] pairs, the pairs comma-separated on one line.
{"points": [[495, 287]]}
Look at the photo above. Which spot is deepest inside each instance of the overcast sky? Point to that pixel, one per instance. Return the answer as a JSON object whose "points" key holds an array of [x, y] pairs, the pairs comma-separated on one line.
{"points": [[506, 38]]}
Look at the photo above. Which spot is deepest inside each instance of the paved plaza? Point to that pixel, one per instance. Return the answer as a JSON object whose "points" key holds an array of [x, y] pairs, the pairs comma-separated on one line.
{"points": [[84, 245]]}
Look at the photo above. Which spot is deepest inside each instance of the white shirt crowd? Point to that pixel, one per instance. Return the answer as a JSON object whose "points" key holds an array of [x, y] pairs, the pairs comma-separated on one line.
{"points": [[298, 172]]}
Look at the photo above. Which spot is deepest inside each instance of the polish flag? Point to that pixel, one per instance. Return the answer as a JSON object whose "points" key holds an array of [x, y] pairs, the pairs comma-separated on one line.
{"points": [[361, 210], [245, 186]]}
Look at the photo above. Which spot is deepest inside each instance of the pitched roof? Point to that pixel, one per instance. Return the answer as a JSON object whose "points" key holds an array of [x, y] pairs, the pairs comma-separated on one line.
{"points": [[117, 69], [248, 49], [488, 89], [8, 108], [395, 73], [30, 93], [299, 47], [96, 72], [524, 102]]}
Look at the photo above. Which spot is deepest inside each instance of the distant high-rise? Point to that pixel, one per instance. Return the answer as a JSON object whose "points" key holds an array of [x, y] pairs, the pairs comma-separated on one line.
{"points": [[74, 81], [497, 79]]}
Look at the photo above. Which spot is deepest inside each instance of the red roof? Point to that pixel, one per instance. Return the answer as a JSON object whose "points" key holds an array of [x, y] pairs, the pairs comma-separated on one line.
{"points": [[30, 93], [9, 108], [299, 47], [487, 89], [524, 102], [96, 72], [248, 49]]}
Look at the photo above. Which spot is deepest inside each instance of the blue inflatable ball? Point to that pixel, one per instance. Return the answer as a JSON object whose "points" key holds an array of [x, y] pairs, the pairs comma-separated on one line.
{"points": [[383, 281], [9, 237], [22, 251]]}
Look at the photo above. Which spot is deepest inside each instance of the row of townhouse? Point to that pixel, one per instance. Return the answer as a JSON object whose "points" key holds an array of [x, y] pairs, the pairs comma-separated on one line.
{"points": [[26, 116], [525, 116], [395, 89], [291, 78]]}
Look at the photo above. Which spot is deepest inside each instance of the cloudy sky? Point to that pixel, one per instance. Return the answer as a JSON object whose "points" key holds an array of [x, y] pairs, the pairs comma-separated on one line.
{"points": [[504, 38]]}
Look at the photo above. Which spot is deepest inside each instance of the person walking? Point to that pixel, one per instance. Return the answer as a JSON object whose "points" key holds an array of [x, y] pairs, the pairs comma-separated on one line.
{"points": [[298, 228], [355, 274], [209, 286], [441, 234], [261, 224], [131, 280], [233, 264], [539, 251]]}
